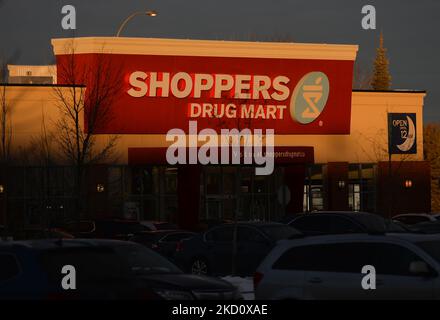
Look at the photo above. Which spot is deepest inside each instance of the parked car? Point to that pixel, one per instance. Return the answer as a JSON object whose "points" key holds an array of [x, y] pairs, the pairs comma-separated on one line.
{"points": [[414, 218], [117, 229], [163, 242], [206, 224], [159, 225], [330, 267], [429, 227], [105, 269], [329, 222], [47, 233], [212, 252]]}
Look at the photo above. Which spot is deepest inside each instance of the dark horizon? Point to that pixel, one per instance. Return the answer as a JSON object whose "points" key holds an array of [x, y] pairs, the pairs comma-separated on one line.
{"points": [[408, 28]]}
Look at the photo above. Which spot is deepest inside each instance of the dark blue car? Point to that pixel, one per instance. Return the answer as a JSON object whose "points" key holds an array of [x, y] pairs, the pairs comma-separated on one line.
{"points": [[105, 269], [215, 252]]}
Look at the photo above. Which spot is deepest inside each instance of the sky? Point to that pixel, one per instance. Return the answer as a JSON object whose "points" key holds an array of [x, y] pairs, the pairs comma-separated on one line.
{"points": [[411, 29]]}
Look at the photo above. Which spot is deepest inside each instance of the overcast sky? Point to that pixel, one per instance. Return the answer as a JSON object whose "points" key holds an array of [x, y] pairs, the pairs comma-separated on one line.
{"points": [[411, 29]]}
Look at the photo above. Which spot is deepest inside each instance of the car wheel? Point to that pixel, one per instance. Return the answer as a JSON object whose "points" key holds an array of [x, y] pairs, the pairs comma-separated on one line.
{"points": [[199, 266]]}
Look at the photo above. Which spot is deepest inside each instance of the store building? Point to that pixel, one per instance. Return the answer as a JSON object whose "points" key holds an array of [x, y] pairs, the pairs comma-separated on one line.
{"points": [[331, 143]]}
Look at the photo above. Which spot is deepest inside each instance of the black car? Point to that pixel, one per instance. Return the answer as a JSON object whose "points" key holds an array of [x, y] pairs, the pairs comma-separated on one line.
{"points": [[430, 227], [105, 269], [117, 229], [164, 242], [329, 222], [215, 252], [41, 233], [159, 225]]}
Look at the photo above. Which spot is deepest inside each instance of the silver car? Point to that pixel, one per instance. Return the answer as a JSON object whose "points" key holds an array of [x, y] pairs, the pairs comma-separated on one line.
{"points": [[406, 266]]}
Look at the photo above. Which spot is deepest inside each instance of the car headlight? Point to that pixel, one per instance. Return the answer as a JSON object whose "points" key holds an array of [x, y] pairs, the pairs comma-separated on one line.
{"points": [[168, 294]]}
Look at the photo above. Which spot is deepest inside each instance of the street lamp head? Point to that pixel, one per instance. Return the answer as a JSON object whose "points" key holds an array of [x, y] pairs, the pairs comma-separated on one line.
{"points": [[151, 13]]}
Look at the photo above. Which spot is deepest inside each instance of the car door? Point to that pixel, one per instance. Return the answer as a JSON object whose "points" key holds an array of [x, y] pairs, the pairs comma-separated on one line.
{"points": [[167, 245], [333, 271], [10, 283], [393, 276], [252, 248], [219, 249]]}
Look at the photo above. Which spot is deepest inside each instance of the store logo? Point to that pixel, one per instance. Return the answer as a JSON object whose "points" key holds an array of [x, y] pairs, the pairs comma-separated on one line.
{"points": [[402, 136], [309, 97]]}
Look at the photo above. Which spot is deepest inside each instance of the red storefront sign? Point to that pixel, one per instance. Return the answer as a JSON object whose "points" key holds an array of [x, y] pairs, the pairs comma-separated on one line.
{"points": [[158, 93], [281, 155]]}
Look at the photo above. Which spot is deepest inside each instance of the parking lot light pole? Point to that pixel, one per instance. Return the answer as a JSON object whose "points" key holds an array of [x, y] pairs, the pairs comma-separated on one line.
{"points": [[149, 13]]}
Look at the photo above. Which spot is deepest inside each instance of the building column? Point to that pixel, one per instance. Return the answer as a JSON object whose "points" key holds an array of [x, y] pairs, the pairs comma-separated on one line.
{"points": [[294, 177], [188, 195], [407, 189], [336, 186]]}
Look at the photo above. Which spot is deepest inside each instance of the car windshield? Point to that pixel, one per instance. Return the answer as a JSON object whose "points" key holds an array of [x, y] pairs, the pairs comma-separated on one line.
{"points": [[142, 261], [88, 262], [279, 232], [432, 248]]}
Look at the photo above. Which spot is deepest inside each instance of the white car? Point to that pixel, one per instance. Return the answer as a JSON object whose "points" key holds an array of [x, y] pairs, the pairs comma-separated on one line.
{"points": [[407, 266]]}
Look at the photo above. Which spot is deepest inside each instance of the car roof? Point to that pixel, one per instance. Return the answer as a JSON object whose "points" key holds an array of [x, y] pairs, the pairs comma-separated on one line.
{"points": [[408, 237], [366, 219], [414, 214], [256, 223], [161, 232], [342, 213], [49, 244]]}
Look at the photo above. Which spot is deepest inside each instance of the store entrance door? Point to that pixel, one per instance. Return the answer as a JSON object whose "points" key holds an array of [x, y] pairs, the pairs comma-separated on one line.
{"points": [[230, 193]]}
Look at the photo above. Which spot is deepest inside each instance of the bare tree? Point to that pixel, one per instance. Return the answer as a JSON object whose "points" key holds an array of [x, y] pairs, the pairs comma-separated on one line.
{"points": [[5, 120], [362, 77], [377, 149], [85, 107], [5, 125], [431, 150]]}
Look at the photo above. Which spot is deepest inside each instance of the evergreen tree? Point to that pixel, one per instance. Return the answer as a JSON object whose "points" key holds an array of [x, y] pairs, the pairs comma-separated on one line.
{"points": [[381, 77]]}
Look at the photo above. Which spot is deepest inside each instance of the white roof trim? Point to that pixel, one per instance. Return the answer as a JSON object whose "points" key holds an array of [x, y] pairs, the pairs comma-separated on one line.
{"points": [[204, 48]]}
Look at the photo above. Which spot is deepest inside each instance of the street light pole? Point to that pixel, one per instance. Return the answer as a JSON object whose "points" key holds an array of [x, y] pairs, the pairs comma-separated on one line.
{"points": [[150, 13]]}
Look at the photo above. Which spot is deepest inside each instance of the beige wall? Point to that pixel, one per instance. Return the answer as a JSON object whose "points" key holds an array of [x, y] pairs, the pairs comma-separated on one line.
{"points": [[367, 142]]}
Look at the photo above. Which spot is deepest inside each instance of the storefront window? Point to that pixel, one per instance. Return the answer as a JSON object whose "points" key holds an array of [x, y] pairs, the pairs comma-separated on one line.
{"points": [[170, 180], [255, 199], [144, 180], [354, 197], [213, 180], [229, 180], [314, 189], [368, 187], [354, 187]]}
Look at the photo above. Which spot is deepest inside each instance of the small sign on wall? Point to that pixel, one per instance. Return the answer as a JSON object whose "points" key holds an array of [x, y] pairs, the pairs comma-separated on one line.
{"points": [[402, 133]]}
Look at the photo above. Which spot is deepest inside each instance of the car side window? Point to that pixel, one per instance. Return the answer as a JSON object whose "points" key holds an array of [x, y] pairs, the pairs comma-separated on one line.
{"points": [[339, 257], [246, 234], [9, 267], [392, 259], [220, 234]]}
